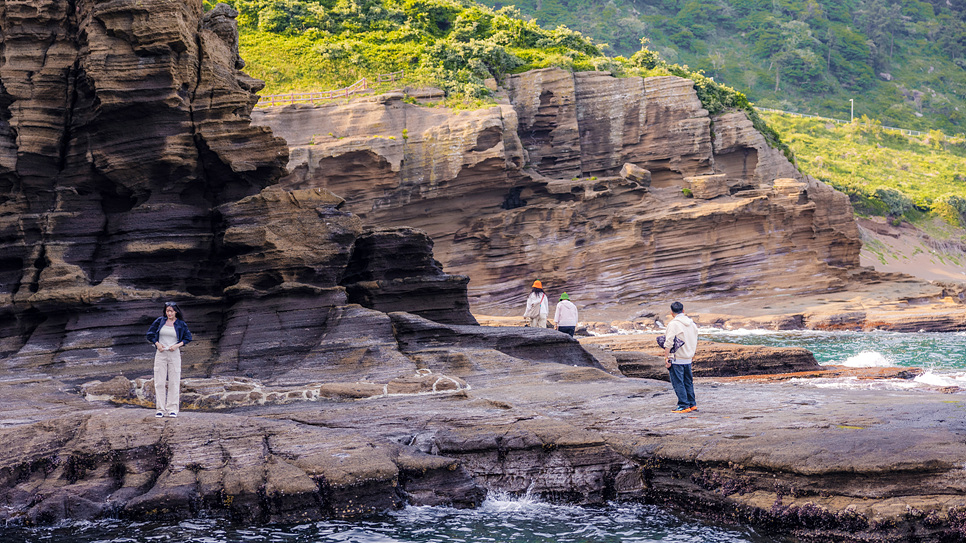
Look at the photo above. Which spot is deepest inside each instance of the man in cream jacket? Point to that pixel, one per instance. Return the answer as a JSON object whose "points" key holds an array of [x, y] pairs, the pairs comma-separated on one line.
{"points": [[679, 362]]}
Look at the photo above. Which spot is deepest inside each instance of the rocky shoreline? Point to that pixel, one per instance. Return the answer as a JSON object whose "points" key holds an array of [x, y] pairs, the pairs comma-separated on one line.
{"points": [[821, 465], [337, 369]]}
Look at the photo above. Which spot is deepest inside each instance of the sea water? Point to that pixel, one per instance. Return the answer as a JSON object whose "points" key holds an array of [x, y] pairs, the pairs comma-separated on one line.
{"points": [[941, 354], [499, 520]]}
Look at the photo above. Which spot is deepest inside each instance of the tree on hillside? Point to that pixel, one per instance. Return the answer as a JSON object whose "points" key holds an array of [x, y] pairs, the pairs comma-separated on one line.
{"points": [[880, 22], [795, 56], [830, 38], [848, 58]]}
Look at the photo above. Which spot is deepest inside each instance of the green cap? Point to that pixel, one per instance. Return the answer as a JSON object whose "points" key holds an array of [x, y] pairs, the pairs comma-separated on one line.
{"points": [[564, 296]]}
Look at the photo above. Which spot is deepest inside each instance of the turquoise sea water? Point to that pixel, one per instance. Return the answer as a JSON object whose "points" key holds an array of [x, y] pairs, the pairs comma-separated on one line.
{"points": [[932, 350], [497, 521], [941, 354]]}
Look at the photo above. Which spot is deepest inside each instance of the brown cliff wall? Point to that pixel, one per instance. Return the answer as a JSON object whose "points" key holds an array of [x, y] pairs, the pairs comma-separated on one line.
{"points": [[531, 189], [130, 174]]}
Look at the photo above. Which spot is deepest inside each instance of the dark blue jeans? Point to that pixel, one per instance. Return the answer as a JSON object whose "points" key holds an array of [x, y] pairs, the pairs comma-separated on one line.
{"points": [[569, 330], [683, 382]]}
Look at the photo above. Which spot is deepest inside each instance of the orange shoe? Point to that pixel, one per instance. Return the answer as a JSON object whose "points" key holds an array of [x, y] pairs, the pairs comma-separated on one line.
{"points": [[690, 409], [679, 410]]}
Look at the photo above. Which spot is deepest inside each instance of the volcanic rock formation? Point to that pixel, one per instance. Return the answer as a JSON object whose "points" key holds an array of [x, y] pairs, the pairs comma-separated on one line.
{"points": [[611, 189], [130, 175]]}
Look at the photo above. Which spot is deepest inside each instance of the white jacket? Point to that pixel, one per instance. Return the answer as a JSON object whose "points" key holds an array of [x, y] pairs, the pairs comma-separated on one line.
{"points": [[682, 327], [566, 314], [540, 299]]}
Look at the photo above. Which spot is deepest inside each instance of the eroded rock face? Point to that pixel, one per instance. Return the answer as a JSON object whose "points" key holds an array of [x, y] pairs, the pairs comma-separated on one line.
{"points": [[130, 175], [394, 270], [117, 123], [577, 180]]}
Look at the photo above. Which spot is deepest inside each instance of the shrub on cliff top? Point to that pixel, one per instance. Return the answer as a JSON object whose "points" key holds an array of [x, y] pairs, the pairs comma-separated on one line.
{"points": [[455, 45]]}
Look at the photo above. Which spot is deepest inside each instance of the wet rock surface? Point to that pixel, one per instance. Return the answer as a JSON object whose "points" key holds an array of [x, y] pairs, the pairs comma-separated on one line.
{"points": [[821, 464]]}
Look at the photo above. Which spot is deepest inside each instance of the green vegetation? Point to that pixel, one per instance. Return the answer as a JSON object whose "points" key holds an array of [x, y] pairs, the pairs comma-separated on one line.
{"points": [[902, 61], [451, 44], [882, 171], [305, 45]]}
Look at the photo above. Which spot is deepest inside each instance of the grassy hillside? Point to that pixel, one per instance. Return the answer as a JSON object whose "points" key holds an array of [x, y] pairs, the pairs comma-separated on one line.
{"points": [[452, 44], [884, 172], [903, 62], [455, 44]]}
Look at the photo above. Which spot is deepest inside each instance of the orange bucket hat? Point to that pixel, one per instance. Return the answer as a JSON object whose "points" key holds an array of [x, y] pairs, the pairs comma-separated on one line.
{"points": [[537, 284]]}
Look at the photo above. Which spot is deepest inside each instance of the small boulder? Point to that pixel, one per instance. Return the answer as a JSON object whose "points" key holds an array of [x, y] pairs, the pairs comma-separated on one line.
{"points": [[119, 387], [633, 172], [706, 187]]}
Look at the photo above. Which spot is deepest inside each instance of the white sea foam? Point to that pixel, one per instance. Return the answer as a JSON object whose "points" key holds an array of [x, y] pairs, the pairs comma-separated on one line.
{"points": [[853, 383], [506, 502], [942, 379], [868, 359]]}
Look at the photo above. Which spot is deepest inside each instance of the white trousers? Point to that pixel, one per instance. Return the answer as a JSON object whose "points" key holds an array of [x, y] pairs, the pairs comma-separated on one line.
{"points": [[167, 380], [540, 321]]}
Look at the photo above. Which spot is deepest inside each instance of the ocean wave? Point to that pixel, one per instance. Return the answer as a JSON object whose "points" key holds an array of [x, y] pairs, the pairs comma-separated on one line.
{"points": [[854, 383], [868, 359]]}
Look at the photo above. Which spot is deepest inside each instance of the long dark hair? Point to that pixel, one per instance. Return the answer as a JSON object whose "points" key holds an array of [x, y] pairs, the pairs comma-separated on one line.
{"points": [[177, 310], [535, 289]]}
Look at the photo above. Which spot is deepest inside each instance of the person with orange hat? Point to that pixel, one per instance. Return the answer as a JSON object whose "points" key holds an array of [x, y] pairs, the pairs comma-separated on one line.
{"points": [[537, 307]]}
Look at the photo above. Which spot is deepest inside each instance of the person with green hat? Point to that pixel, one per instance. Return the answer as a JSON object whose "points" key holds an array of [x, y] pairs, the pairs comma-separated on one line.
{"points": [[565, 317]]}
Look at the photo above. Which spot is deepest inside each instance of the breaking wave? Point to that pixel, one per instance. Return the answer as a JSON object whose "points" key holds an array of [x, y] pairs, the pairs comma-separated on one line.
{"points": [[868, 359]]}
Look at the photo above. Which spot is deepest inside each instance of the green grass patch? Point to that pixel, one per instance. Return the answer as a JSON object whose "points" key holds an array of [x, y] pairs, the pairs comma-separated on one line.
{"points": [[884, 172]]}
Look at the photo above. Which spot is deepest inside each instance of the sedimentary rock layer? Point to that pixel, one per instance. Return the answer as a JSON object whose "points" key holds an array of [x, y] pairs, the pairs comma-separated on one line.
{"points": [[130, 174], [541, 186]]}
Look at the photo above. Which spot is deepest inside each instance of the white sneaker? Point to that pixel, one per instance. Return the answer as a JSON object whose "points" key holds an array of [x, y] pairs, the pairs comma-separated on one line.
{"points": [[158, 415], [173, 415]]}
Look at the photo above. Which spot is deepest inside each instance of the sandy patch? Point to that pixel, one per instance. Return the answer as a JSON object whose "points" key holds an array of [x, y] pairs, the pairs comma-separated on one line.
{"points": [[910, 250]]}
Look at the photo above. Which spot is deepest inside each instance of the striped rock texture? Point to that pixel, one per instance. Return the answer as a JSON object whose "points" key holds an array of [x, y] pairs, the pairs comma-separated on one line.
{"points": [[532, 188], [130, 175]]}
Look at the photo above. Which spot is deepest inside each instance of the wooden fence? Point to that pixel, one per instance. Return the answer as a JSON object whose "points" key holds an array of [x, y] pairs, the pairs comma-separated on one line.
{"points": [[359, 87]]}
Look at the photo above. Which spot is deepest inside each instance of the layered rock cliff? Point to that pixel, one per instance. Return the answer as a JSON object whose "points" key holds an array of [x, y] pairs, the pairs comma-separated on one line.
{"points": [[130, 174], [614, 190]]}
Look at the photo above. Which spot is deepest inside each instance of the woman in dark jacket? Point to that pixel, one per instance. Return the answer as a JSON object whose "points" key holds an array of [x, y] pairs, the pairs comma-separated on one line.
{"points": [[168, 334]]}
